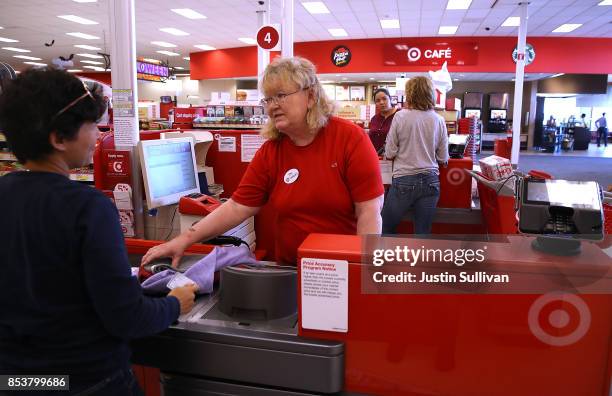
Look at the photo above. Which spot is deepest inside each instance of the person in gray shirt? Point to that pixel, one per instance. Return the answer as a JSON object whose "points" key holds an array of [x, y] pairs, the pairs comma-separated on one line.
{"points": [[418, 144], [602, 130]]}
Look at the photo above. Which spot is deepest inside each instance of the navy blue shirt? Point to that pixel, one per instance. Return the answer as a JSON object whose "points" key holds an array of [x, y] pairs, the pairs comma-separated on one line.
{"points": [[68, 302]]}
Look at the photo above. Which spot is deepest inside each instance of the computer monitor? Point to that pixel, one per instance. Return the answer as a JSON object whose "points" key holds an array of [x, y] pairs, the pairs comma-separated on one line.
{"points": [[169, 170], [498, 114], [472, 113]]}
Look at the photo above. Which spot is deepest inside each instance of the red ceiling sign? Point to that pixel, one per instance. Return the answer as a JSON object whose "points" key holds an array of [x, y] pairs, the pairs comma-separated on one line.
{"points": [[435, 53]]}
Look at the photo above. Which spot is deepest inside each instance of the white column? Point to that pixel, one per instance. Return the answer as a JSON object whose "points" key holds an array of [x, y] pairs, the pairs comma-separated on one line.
{"points": [[287, 28], [518, 84], [125, 95], [263, 56]]}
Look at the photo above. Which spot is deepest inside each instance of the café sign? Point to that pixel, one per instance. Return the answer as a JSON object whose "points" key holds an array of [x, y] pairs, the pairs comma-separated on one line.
{"points": [[429, 54]]}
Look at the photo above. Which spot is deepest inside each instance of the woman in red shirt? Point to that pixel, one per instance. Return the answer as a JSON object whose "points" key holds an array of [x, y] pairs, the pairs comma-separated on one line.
{"points": [[381, 122], [319, 172]]}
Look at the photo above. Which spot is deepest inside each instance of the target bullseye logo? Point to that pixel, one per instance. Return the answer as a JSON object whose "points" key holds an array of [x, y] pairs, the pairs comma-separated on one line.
{"points": [[414, 54], [559, 319], [455, 176]]}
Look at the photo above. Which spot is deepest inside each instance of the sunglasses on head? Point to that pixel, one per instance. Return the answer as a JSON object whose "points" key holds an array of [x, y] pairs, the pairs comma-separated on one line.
{"points": [[74, 102]]}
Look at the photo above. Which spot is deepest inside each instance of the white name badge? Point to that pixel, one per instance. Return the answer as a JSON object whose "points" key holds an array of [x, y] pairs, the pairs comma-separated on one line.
{"points": [[291, 175]]}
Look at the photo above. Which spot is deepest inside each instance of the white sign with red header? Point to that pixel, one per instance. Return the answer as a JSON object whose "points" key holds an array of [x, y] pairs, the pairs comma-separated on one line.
{"points": [[268, 37]]}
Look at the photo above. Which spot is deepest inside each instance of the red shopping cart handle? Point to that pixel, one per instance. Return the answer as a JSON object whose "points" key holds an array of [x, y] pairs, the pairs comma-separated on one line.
{"points": [[540, 174]]}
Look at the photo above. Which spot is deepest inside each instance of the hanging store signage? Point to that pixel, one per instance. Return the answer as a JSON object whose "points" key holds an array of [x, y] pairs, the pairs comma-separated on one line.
{"points": [[341, 56], [268, 37], [435, 53], [529, 51], [151, 71]]}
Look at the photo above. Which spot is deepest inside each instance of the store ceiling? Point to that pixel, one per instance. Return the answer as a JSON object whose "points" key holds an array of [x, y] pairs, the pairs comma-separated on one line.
{"points": [[35, 22]]}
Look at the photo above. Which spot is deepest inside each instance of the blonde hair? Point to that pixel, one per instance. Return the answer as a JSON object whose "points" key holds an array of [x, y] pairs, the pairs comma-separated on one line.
{"points": [[301, 72], [420, 93]]}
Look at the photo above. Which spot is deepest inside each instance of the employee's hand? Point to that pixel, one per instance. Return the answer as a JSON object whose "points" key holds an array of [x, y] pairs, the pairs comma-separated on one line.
{"points": [[186, 296], [174, 249]]}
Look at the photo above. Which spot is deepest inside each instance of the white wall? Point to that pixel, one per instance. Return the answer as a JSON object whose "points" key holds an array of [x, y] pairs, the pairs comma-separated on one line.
{"points": [[183, 87], [208, 86]]}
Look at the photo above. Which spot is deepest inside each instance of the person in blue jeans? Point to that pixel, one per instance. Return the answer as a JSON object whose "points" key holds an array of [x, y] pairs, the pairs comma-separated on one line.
{"points": [[418, 144]]}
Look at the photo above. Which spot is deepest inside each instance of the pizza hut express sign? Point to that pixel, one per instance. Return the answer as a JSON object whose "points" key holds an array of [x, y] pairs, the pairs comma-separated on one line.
{"points": [[436, 53], [341, 56]]}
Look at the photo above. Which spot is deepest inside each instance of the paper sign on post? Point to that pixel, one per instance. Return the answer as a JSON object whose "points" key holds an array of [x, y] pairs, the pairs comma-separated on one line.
{"points": [[324, 286]]}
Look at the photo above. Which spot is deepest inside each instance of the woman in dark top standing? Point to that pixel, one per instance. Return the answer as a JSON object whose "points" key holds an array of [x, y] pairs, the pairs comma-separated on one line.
{"points": [[381, 122], [68, 301]]}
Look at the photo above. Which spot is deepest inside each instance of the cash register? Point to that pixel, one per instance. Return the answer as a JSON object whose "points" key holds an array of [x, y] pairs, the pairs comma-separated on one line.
{"points": [[561, 213]]}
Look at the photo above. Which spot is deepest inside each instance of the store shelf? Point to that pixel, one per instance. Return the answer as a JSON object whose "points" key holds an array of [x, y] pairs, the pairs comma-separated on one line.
{"points": [[226, 126], [7, 157]]}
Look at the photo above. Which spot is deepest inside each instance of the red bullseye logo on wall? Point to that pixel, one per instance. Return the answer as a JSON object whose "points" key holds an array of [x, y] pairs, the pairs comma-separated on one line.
{"points": [[341, 56], [414, 54], [559, 319]]}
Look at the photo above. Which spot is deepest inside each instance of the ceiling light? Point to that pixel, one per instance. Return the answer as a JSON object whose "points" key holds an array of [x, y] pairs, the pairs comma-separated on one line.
{"points": [[85, 1], [188, 13], [78, 19], [15, 49], [155, 61], [96, 68], [390, 23], [26, 57], [315, 7], [371, 78], [8, 40], [247, 40], [204, 47], [74, 70], [605, 3], [91, 56], [169, 53], [1, 27], [556, 75], [83, 36], [182, 74], [448, 29], [512, 21], [88, 47], [174, 31], [178, 68], [338, 32], [458, 4], [567, 27], [92, 62], [187, 58], [35, 63], [163, 44]]}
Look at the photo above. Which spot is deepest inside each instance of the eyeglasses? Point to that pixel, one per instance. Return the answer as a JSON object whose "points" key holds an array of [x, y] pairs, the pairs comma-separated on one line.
{"points": [[71, 104], [279, 98]]}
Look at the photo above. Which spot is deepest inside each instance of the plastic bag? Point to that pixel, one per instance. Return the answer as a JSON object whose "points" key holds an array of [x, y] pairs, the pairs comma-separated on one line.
{"points": [[442, 79]]}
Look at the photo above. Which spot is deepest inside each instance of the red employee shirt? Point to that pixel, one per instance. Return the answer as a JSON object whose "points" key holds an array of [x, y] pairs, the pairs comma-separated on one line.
{"points": [[337, 169], [379, 128]]}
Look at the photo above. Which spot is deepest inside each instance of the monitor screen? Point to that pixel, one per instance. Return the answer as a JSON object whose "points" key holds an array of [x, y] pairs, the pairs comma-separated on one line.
{"points": [[565, 193], [472, 113], [498, 114], [169, 170]]}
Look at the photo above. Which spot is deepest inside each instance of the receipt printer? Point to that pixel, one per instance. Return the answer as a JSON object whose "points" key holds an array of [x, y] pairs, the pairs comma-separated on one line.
{"points": [[570, 209], [457, 144]]}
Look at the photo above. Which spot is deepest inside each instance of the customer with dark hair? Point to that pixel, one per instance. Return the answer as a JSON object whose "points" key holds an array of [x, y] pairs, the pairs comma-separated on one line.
{"points": [[602, 130], [69, 303], [381, 122], [417, 144]]}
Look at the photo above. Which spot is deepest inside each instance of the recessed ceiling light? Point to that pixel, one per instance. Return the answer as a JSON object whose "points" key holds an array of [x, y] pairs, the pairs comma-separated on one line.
{"points": [[247, 40], [85, 1], [448, 29], [92, 62], [91, 56], [96, 68], [169, 53], [32, 58], [178, 68], [1, 27], [512, 21], [163, 44], [371, 78], [338, 32], [88, 47], [390, 23], [174, 31], [187, 58], [188, 13], [458, 4], [78, 19], [567, 27], [315, 7], [151, 60], [74, 70], [182, 74], [35, 63], [605, 3], [204, 47], [15, 49], [8, 40], [83, 36]]}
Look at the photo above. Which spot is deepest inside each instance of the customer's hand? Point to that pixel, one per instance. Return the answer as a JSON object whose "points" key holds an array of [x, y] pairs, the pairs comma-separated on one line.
{"points": [[186, 296], [174, 249]]}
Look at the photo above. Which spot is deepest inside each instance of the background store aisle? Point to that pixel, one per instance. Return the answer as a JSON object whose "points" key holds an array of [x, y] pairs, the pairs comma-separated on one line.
{"points": [[570, 168]]}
